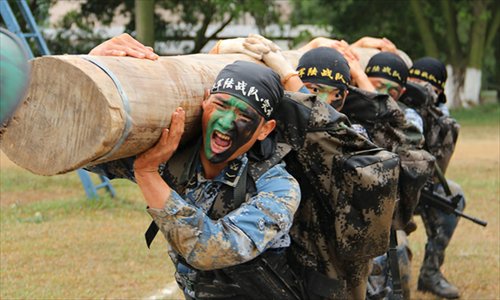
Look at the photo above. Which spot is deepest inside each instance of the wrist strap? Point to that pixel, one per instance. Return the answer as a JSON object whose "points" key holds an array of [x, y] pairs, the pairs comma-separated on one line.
{"points": [[287, 77]]}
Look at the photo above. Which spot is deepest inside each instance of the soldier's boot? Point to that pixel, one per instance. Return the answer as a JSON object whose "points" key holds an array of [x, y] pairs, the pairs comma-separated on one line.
{"points": [[439, 227], [432, 280]]}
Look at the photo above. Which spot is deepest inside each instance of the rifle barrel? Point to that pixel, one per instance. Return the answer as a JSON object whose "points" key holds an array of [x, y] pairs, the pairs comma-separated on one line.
{"points": [[446, 205], [470, 218]]}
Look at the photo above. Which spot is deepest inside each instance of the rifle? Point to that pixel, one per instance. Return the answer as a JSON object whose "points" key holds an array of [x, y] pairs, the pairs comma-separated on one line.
{"points": [[447, 204]]}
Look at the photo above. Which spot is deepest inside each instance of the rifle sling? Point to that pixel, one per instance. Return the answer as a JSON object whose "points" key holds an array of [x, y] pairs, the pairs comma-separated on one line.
{"points": [[442, 179], [150, 234]]}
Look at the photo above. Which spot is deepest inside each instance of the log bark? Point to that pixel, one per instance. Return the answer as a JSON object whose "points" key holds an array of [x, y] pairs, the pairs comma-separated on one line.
{"points": [[84, 110]]}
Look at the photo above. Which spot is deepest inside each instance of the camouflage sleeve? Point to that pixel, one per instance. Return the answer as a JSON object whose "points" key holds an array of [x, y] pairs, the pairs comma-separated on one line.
{"points": [[414, 119], [239, 236], [121, 168], [444, 109]]}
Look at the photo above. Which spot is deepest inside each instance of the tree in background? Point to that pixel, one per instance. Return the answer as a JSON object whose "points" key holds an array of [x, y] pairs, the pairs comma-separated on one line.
{"points": [[190, 21], [144, 20], [462, 33], [470, 27], [195, 17]]}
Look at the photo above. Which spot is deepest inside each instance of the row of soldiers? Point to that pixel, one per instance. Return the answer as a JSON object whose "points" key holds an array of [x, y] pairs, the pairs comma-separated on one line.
{"points": [[400, 124], [361, 144]]}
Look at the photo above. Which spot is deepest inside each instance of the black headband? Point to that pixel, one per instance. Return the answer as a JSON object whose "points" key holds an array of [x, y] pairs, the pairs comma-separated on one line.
{"points": [[430, 70], [325, 66], [389, 66], [257, 85]]}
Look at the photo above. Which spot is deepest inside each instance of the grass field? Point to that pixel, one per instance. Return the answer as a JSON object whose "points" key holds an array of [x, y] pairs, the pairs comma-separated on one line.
{"points": [[472, 260], [56, 244]]}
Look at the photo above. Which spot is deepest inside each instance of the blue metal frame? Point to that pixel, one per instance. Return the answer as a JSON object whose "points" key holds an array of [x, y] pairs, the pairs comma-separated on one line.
{"points": [[13, 26], [28, 16], [91, 189]]}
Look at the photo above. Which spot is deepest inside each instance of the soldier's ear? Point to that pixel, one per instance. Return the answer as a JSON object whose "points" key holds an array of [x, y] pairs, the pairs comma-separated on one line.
{"points": [[266, 129], [403, 90], [346, 92]]}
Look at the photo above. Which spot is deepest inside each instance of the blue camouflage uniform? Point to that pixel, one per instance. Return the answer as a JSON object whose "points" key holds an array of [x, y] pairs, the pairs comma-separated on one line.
{"points": [[414, 119], [210, 235], [198, 240]]}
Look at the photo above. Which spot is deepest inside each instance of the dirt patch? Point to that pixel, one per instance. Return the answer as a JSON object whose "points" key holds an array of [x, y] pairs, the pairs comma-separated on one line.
{"points": [[26, 197], [477, 149]]}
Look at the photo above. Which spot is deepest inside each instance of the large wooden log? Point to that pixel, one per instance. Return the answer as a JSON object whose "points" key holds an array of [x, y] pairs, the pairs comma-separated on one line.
{"points": [[85, 110], [82, 110]]}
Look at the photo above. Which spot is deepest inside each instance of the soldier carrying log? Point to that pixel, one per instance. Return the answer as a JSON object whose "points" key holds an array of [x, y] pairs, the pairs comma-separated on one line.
{"points": [[225, 213], [331, 245], [349, 185]]}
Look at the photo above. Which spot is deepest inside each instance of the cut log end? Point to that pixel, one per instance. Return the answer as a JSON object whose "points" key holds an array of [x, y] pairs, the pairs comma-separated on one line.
{"points": [[60, 131]]}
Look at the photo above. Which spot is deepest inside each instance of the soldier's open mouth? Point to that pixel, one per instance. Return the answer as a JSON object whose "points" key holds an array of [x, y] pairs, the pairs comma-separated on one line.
{"points": [[220, 142]]}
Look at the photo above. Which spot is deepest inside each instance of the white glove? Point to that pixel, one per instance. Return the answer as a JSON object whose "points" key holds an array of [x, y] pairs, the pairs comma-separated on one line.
{"points": [[230, 46], [257, 38], [271, 54]]}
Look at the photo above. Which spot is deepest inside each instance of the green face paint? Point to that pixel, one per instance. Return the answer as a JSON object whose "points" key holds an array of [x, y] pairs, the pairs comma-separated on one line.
{"points": [[229, 123], [329, 94], [387, 87], [323, 96]]}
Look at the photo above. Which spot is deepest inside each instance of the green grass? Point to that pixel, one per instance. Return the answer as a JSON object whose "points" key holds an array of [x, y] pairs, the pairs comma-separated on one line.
{"points": [[472, 258], [484, 115], [57, 209], [69, 247]]}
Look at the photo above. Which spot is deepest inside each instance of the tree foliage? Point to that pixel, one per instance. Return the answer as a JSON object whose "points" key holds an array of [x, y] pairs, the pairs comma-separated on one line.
{"points": [[191, 20], [460, 32]]}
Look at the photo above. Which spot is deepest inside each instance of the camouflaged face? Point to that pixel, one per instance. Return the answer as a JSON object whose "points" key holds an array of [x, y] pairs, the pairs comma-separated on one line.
{"points": [[349, 189]]}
